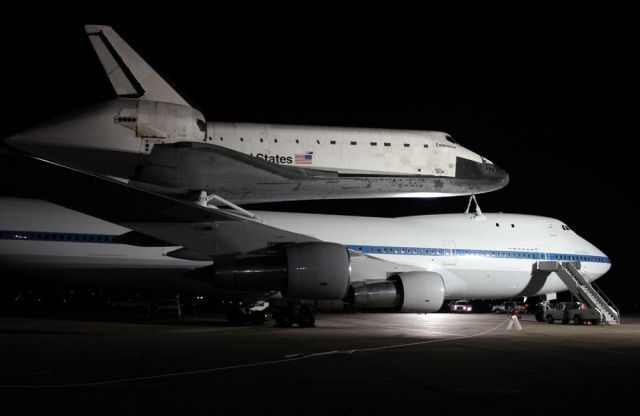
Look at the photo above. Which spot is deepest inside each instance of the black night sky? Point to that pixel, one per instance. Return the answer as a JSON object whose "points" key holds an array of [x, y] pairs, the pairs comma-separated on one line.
{"points": [[547, 94]]}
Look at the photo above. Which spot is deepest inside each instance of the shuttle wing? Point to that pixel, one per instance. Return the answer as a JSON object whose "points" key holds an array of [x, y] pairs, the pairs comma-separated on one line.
{"points": [[191, 165]]}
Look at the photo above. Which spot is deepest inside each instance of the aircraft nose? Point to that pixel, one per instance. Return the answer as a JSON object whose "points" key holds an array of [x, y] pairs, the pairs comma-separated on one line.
{"points": [[501, 175], [491, 176], [606, 261]]}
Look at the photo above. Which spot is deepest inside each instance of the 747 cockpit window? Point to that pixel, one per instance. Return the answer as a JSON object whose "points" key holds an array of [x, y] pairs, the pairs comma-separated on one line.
{"points": [[450, 139]]}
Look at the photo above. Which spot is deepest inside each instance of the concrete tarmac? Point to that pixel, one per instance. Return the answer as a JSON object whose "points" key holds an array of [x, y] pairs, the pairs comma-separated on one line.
{"points": [[347, 364]]}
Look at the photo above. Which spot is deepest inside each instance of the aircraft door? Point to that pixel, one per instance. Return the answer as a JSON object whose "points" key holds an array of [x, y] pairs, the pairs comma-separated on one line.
{"points": [[449, 253]]}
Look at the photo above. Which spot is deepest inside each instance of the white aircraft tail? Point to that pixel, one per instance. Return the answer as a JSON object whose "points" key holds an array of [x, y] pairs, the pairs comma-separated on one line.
{"points": [[130, 75]]}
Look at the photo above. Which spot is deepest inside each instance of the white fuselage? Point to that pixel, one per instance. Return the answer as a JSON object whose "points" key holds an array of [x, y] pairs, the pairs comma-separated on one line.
{"points": [[131, 129], [36, 234], [345, 150], [491, 257], [171, 146]]}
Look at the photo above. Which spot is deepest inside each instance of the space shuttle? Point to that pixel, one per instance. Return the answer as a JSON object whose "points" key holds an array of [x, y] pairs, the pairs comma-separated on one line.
{"points": [[150, 136]]}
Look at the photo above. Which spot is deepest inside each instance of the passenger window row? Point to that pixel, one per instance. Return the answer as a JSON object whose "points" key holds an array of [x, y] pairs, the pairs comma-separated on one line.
{"points": [[478, 253], [333, 142], [69, 237]]}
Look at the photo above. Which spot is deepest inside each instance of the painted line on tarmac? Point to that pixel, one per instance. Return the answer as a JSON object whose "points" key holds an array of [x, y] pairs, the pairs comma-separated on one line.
{"points": [[287, 359]]}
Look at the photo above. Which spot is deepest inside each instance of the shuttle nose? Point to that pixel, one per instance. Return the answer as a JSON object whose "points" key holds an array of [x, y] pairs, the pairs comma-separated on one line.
{"points": [[501, 175], [488, 176]]}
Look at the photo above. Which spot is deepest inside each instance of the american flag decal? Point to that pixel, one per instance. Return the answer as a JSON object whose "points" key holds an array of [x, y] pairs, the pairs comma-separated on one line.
{"points": [[304, 158]]}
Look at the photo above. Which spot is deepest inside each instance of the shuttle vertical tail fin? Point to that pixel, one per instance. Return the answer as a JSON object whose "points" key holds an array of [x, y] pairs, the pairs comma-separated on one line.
{"points": [[130, 75]]}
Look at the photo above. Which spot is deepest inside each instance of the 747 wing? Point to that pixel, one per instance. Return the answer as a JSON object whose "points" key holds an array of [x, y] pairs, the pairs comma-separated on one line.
{"points": [[247, 255]]}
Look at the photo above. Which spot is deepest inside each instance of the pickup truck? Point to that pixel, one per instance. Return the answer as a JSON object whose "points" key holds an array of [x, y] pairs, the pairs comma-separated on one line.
{"points": [[577, 312]]}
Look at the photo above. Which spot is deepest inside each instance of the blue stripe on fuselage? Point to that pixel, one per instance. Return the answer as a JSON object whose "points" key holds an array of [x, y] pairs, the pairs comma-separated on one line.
{"points": [[57, 237], [377, 250], [498, 254]]}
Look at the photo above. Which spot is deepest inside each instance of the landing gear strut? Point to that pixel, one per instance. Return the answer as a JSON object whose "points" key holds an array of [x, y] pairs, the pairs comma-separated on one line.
{"points": [[286, 315], [255, 314]]}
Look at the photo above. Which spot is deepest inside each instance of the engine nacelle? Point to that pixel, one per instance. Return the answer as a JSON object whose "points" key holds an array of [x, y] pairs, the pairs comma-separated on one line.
{"points": [[317, 271], [312, 271], [419, 292]]}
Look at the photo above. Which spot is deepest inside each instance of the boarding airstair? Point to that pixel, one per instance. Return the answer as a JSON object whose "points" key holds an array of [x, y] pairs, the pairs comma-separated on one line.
{"points": [[588, 292]]}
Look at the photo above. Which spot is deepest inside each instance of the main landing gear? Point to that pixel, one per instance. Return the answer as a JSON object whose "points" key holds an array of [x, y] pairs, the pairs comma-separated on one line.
{"points": [[254, 314], [286, 314]]}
